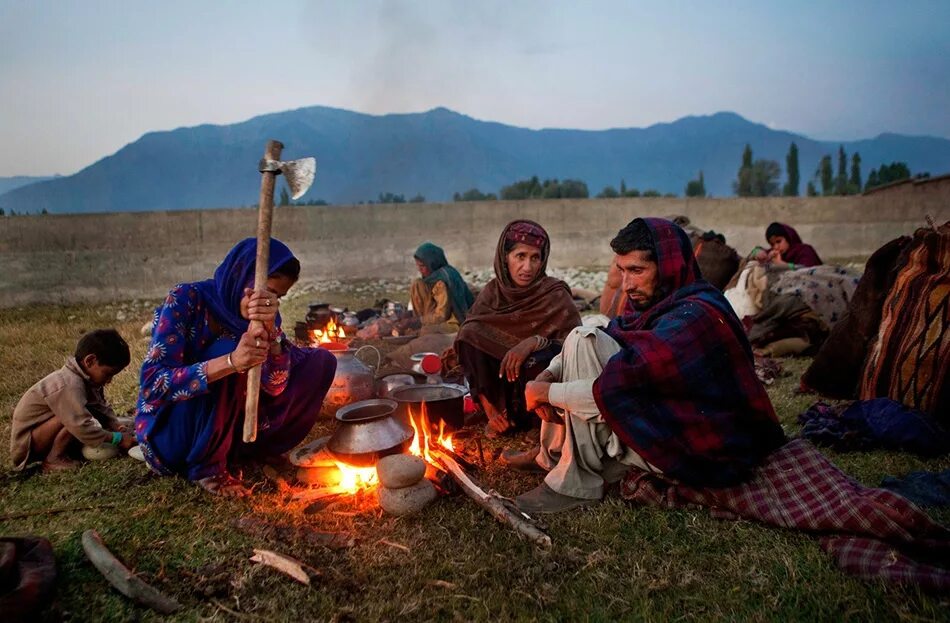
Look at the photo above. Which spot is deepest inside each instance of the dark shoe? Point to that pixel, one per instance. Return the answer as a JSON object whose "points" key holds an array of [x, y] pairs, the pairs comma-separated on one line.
{"points": [[544, 499], [524, 461]]}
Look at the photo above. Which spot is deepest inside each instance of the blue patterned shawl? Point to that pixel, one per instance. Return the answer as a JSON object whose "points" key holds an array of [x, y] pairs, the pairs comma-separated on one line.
{"points": [[223, 293]]}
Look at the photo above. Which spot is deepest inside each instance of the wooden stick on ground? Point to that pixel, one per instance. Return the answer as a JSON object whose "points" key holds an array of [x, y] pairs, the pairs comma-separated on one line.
{"points": [[122, 578], [285, 564], [492, 502]]}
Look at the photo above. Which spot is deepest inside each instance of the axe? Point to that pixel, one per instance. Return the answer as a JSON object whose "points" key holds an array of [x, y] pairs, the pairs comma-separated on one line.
{"points": [[299, 174]]}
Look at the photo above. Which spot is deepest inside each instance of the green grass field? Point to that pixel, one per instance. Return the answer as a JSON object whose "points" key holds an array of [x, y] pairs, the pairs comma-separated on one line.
{"points": [[610, 562]]}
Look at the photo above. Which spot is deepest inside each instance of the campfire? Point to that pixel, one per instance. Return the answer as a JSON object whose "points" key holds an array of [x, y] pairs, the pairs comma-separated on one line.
{"points": [[328, 334], [424, 443], [323, 327], [445, 468]]}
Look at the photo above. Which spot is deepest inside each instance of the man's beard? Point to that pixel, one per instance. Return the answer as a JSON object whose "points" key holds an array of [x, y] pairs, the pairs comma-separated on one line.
{"points": [[644, 303]]}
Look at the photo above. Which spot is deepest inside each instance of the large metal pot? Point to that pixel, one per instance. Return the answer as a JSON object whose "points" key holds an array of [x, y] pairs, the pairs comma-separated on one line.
{"points": [[443, 402], [367, 431], [353, 381]]}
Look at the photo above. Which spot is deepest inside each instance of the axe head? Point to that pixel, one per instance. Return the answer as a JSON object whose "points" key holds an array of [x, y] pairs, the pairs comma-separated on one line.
{"points": [[299, 173]]}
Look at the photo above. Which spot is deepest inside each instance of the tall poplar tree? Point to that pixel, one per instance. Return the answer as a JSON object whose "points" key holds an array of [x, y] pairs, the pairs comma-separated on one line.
{"points": [[743, 183], [791, 166], [854, 184], [826, 175], [841, 181]]}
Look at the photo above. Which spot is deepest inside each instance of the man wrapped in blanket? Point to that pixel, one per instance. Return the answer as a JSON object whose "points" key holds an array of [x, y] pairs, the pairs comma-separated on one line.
{"points": [[669, 386]]}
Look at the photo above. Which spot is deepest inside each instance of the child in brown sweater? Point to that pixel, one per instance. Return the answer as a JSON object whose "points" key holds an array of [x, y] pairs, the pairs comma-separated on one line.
{"points": [[68, 406]]}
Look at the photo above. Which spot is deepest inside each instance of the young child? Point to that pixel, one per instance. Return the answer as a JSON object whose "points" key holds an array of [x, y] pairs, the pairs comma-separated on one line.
{"points": [[68, 406]]}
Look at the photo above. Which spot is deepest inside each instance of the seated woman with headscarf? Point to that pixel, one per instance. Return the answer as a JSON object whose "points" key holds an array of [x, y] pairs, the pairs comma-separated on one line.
{"points": [[794, 299], [515, 327], [786, 249], [193, 384], [440, 296]]}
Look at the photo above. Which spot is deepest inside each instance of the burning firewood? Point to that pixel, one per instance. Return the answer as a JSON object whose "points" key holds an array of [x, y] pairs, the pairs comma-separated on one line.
{"points": [[440, 451], [324, 503], [492, 502], [318, 493]]}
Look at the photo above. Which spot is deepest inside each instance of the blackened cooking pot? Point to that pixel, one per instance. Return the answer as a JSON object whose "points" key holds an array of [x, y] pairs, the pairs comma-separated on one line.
{"points": [[367, 431], [443, 402]]}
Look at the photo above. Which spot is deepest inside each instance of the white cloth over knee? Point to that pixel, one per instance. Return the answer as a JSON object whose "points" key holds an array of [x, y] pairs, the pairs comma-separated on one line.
{"points": [[584, 452]]}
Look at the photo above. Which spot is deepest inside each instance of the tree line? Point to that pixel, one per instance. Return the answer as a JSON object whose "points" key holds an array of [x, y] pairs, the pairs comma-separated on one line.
{"points": [[534, 188], [755, 178], [760, 178]]}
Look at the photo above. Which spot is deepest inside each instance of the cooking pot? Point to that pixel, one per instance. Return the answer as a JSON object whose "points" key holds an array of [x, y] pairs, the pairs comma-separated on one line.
{"points": [[389, 383], [443, 402], [353, 380], [367, 431]]}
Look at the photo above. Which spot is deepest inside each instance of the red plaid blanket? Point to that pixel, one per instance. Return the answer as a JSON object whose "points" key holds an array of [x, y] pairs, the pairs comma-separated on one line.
{"points": [[871, 533]]}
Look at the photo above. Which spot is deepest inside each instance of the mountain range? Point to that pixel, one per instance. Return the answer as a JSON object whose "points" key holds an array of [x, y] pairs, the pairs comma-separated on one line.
{"points": [[436, 154], [10, 183]]}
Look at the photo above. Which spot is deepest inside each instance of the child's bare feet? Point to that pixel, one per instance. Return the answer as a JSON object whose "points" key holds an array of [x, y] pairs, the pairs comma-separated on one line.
{"points": [[59, 465]]}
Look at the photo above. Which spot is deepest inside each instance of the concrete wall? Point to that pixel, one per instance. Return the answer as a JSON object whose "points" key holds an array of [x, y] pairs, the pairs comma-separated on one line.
{"points": [[107, 257]]}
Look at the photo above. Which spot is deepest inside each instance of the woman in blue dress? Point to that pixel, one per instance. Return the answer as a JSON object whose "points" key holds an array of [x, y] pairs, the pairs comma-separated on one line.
{"points": [[192, 389]]}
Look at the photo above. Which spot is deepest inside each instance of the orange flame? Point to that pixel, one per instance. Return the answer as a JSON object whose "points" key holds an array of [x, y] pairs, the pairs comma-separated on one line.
{"points": [[421, 443], [329, 333], [352, 479]]}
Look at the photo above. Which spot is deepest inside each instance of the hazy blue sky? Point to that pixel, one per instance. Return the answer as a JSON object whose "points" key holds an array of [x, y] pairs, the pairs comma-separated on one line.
{"points": [[80, 79]]}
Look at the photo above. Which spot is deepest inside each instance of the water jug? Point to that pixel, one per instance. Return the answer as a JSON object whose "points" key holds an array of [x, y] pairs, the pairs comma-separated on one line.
{"points": [[353, 381]]}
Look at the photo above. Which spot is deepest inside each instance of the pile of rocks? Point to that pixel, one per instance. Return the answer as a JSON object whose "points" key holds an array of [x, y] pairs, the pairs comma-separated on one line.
{"points": [[403, 488]]}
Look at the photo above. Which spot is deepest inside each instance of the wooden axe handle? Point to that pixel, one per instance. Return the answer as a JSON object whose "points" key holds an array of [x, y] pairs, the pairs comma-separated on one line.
{"points": [[265, 216]]}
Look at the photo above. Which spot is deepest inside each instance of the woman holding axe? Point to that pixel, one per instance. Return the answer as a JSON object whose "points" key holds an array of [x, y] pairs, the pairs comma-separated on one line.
{"points": [[192, 387]]}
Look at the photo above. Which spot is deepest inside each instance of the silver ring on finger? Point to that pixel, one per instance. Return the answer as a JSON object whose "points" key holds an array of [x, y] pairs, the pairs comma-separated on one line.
{"points": [[267, 303], [257, 343]]}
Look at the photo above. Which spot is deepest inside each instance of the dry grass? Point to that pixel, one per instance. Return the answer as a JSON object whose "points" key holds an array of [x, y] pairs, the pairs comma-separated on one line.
{"points": [[609, 562]]}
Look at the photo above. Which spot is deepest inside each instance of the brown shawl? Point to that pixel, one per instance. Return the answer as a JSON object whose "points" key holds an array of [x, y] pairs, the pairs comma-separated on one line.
{"points": [[505, 314]]}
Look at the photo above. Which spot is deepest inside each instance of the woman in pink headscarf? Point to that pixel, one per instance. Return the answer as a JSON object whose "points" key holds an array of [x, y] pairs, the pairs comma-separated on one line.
{"points": [[515, 327]]}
